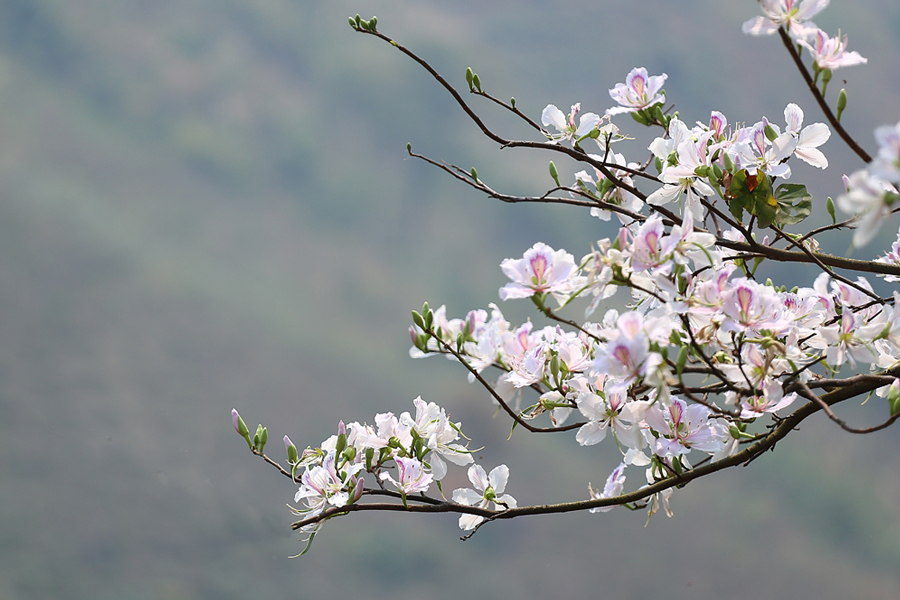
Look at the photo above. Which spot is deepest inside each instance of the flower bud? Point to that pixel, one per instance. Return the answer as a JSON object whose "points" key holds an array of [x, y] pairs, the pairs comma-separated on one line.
{"points": [[681, 361], [894, 397], [554, 173], [728, 163], [358, 488], [476, 81], [240, 426], [238, 422], [470, 78], [829, 206], [291, 450], [841, 103], [370, 454], [260, 438]]}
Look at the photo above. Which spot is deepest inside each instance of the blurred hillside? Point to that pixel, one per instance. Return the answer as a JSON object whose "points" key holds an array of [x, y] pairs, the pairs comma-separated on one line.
{"points": [[208, 204]]}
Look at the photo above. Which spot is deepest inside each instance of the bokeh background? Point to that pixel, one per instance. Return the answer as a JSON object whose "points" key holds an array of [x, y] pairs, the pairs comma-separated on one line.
{"points": [[207, 205]]}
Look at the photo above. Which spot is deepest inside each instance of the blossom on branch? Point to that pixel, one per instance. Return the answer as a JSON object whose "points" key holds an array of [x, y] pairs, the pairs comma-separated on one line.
{"points": [[639, 91], [542, 270], [793, 15], [488, 490], [831, 52]]}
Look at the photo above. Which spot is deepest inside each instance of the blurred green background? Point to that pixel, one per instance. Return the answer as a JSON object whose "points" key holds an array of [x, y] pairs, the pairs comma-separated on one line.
{"points": [[207, 204]]}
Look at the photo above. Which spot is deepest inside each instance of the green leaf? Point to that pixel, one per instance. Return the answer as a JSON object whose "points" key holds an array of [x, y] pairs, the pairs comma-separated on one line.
{"points": [[753, 193], [794, 203]]}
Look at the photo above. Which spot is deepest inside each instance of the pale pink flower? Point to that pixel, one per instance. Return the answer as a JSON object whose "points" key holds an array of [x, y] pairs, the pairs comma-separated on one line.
{"points": [[411, 476], [541, 270], [638, 92], [614, 485], [831, 52]]}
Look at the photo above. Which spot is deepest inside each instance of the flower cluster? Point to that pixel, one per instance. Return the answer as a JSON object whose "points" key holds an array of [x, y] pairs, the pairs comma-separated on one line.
{"points": [[703, 355], [408, 453]]}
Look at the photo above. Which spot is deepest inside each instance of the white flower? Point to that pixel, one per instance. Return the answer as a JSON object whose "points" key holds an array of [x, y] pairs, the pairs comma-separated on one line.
{"points": [[565, 124], [790, 13], [488, 489], [809, 138]]}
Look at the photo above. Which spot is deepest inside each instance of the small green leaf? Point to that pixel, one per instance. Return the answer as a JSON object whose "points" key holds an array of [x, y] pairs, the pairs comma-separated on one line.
{"points": [[794, 203]]}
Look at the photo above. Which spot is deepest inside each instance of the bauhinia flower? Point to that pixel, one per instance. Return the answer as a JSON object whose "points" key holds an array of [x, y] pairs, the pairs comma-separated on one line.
{"points": [[541, 270], [565, 124], [792, 14], [614, 485], [639, 91], [809, 138], [489, 489], [411, 476], [831, 52]]}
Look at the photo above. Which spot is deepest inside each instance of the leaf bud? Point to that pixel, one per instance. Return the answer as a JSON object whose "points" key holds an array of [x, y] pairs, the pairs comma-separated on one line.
{"points": [[409, 147], [512, 102], [474, 174], [352, 22], [372, 22], [470, 78], [417, 319], [357, 20], [476, 81]]}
